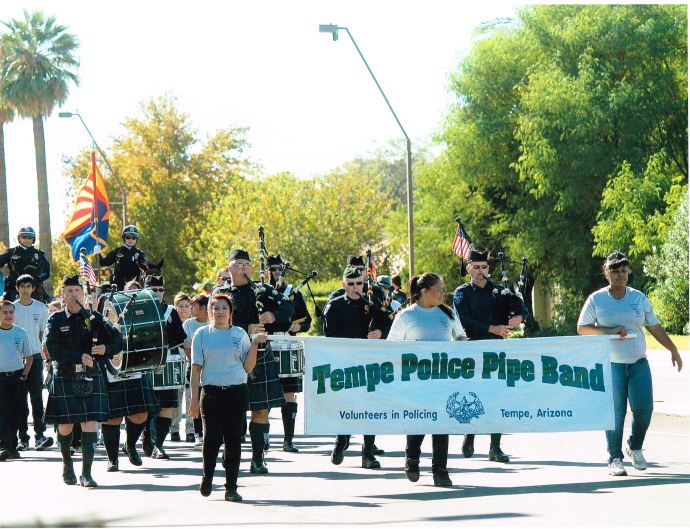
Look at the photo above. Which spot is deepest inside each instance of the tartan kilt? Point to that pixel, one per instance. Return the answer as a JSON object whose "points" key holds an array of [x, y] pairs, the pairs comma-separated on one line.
{"points": [[130, 396], [64, 407], [265, 390], [291, 384]]}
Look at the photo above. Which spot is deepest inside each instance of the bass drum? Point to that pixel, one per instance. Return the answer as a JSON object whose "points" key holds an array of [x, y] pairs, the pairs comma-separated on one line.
{"points": [[141, 320]]}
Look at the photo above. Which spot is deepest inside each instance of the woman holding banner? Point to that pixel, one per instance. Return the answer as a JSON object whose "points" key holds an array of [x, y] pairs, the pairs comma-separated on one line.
{"points": [[427, 319], [619, 309]]}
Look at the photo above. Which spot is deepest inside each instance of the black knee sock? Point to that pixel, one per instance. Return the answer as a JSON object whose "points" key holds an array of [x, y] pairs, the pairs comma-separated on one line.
{"points": [[133, 432], [368, 446], [64, 444], [496, 440], [162, 430], [88, 442], [256, 432], [111, 440], [289, 413]]}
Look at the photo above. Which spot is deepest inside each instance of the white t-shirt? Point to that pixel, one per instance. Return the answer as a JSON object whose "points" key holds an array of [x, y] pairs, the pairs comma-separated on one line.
{"points": [[33, 319], [221, 355], [190, 326], [633, 311], [14, 346], [429, 325]]}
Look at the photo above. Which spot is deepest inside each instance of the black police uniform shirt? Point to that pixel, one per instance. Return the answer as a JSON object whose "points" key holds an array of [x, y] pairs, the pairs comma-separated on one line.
{"points": [[245, 311], [476, 307], [300, 311], [68, 336], [19, 258], [344, 317], [128, 261], [174, 328]]}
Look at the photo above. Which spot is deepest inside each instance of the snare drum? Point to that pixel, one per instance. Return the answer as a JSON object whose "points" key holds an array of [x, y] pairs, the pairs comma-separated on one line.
{"points": [[290, 358], [171, 375], [141, 320]]}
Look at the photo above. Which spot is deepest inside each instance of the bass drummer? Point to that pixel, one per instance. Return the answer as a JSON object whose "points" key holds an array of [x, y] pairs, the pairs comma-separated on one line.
{"points": [[154, 435], [132, 397], [300, 322]]}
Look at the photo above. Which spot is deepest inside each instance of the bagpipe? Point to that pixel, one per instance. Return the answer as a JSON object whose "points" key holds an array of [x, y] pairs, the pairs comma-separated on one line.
{"points": [[509, 302], [377, 300]]}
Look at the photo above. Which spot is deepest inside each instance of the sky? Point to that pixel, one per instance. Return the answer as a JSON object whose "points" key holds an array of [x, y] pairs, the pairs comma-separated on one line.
{"points": [[309, 102]]}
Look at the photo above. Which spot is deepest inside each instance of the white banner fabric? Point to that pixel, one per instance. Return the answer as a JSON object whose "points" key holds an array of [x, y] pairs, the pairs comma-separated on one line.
{"points": [[481, 387]]}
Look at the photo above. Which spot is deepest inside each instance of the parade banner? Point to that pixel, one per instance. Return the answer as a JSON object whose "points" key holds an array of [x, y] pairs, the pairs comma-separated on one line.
{"points": [[480, 387]]}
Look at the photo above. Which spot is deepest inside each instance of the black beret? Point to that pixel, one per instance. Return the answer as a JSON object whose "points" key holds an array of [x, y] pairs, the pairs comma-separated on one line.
{"points": [[478, 256], [239, 254], [353, 260], [275, 260], [71, 281], [154, 281], [352, 272]]}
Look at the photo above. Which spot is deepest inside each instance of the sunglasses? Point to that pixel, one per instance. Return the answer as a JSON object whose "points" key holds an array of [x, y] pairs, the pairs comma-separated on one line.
{"points": [[224, 278], [480, 267], [131, 237], [241, 265], [358, 283], [276, 268], [157, 289]]}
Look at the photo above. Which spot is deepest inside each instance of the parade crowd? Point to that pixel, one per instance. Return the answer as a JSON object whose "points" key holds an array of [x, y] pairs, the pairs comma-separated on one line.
{"points": [[125, 354]]}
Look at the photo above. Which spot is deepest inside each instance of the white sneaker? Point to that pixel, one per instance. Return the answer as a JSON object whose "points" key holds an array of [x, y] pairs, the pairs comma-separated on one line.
{"points": [[616, 468], [639, 462], [198, 440]]}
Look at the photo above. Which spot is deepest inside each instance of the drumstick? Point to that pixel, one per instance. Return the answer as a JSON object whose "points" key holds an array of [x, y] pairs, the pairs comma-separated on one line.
{"points": [[300, 320]]}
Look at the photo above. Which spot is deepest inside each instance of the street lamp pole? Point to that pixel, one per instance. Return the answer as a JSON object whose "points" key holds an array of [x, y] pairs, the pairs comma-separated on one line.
{"points": [[122, 189], [333, 29]]}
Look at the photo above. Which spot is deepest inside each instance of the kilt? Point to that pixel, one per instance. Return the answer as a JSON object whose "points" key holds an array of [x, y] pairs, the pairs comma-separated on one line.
{"points": [[130, 396], [265, 391], [64, 407], [291, 384]]}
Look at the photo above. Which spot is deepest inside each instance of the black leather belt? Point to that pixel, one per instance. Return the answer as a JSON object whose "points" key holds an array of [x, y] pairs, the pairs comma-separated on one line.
{"points": [[215, 389], [12, 373]]}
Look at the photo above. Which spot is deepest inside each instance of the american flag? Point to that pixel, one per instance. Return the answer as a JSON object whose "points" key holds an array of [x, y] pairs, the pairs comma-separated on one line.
{"points": [[86, 270], [462, 244]]}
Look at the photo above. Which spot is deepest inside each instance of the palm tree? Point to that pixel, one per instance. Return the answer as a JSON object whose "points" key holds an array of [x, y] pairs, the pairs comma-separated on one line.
{"points": [[6, 116], [37, 66]]}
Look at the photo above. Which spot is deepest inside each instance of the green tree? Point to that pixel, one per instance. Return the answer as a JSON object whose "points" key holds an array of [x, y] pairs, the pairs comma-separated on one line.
{"points": [[6, 116], [37, 66]]}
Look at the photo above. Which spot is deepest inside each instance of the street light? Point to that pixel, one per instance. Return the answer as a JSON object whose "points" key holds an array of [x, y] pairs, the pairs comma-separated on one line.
{"points": [[333, 30], [122, 189]]}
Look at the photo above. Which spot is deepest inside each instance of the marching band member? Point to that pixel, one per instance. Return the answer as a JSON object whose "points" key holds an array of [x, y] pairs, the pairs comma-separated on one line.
{"points": [[129, 260], [69, 340], [350, 316], [476, 304], [222, 355], [291, 385], [427, 319], [265, 391], [154, 437]]}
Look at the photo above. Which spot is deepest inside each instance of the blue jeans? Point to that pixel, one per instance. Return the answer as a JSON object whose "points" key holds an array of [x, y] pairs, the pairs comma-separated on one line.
{"points": [[631, 382]]}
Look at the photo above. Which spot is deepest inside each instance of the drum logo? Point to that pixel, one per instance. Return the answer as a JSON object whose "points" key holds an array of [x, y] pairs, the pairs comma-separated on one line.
{"points": [[117, 360], [177, 374], [463, 410]]}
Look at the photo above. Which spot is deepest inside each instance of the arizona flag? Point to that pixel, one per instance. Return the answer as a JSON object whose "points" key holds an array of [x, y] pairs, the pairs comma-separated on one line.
{"points": [[91, 217]]}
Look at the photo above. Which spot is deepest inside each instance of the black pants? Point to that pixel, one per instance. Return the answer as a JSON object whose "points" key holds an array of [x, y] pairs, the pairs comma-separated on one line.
{"points": [[12, 391], [223, 411], [34, 384], [439, 449]]}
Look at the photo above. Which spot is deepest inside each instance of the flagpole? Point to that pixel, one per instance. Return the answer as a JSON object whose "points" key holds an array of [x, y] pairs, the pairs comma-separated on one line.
{"points": [[97, 247]]}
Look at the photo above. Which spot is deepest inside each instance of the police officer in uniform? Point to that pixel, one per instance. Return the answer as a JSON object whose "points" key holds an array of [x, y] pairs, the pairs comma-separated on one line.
{"points": [[476, 302], [77, 341], [351, 316], [129, 260], [265, 391], [291, 385], [25, 259]]}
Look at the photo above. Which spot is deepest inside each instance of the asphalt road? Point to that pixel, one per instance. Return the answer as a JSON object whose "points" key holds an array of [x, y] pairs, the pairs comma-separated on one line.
{"points": [[557, 479]]}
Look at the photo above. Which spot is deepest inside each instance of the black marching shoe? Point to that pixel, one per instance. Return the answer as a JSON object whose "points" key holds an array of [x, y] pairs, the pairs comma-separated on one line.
{"points": [[468, 446], [378, 451], [496, 454], [113, 466], [159, 453], [87, 482], [337, 455], [257, 468], [132, 454], [206, 487], [412, 469], [369, 461], [68, 475], [231, 495], [441, 478], [288, 446]]}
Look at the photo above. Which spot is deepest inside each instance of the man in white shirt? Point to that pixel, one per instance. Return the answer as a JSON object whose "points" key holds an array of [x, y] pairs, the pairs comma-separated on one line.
{"points": [[32, 316]]}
